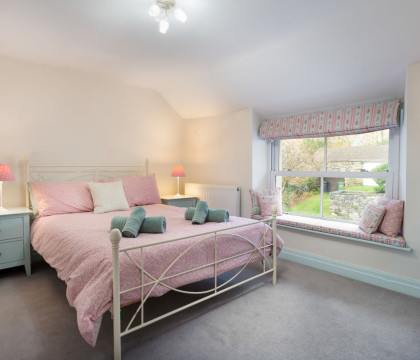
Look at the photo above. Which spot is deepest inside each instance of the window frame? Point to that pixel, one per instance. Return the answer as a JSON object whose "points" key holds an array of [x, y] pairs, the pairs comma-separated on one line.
{"points": [[391, 176]]}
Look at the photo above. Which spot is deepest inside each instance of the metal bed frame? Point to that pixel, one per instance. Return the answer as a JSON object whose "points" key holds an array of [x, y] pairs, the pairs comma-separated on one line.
{"points": [[95, 172]]}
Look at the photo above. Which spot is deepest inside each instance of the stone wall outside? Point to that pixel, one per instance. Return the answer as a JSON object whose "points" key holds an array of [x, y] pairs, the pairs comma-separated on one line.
{"points": [[351, 204], [344, 165]]}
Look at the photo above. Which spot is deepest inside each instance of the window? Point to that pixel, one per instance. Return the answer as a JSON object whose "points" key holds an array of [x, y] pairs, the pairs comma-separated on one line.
{"points": [[335, 177]]}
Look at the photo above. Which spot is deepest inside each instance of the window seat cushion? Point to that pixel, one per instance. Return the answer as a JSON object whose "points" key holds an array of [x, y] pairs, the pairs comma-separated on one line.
{"points": [[338, 228]]}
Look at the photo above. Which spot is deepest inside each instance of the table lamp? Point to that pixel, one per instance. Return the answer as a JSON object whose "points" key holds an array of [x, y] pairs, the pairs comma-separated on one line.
{"points": [[5, 175], [178, 171]]}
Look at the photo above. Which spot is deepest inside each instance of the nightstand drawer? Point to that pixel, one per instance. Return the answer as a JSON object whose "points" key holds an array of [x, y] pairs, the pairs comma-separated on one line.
{"points": [[11, 228], [11, 251]]}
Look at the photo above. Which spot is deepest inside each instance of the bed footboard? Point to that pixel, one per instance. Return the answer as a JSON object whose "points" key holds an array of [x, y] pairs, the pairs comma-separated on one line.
{"points": [[261, 249]]}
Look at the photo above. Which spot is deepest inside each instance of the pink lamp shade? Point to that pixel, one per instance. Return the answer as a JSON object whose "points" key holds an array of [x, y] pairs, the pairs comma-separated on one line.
{"points": [[178, 171], [6, 173]]}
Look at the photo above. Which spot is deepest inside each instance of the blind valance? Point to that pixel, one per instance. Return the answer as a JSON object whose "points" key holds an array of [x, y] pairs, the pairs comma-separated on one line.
{"points": [[345, 121]]}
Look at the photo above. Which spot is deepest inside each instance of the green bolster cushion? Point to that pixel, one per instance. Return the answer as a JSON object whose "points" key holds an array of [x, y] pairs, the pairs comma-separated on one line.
{"points": [[189, 213], [213, 215], [118, 222], [154, 225], [134, 222], [218, 215], [200, 212]]}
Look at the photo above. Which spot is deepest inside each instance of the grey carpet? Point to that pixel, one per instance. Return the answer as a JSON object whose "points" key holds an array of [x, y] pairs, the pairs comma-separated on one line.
{"points": [[310, 314]]}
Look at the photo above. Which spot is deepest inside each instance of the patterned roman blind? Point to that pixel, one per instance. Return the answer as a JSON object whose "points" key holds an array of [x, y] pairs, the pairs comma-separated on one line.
{"points": [[345, 121]]}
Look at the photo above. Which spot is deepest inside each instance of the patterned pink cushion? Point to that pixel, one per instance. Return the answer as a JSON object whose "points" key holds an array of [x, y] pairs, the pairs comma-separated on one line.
{"points": [[266, 202], [140, 190], [372, 217], [393, 218], [256, 210], [61, 198]]}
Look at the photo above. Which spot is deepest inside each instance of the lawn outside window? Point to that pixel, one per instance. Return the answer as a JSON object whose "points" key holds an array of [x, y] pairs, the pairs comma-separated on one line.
{"points": [[335, 177]]}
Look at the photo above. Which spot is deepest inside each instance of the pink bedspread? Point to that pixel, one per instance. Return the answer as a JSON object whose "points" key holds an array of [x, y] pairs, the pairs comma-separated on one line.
{"points": [[78, 247]]}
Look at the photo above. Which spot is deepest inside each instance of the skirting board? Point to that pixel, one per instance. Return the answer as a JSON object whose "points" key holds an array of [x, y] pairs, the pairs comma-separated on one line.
{"points": [[378, 278]]}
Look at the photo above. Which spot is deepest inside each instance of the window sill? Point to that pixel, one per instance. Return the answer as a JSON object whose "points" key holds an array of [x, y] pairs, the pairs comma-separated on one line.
{"points": [[338, 229]]}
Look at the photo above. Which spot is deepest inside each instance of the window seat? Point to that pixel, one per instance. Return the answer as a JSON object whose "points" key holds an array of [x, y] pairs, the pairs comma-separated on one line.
{"points": [[339, 229]]}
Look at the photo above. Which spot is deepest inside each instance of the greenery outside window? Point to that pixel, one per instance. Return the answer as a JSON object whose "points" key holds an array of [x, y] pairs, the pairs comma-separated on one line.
{"points": [[335, 177]]}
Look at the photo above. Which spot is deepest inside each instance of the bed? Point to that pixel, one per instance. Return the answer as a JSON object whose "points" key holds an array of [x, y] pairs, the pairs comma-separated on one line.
{"points": [[104, 271]]}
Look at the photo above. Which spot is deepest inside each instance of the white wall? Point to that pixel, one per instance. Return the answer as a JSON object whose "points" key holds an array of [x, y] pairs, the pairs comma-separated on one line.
{"points": [[217, 151], [260, 159], [411, 167], [225, 149], [66, 117]]}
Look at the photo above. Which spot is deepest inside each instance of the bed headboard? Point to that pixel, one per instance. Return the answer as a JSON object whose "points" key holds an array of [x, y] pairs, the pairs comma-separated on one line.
{"points": [[66, 173]]}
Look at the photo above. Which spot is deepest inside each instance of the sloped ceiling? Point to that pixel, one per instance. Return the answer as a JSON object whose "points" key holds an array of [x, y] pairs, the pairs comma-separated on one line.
{"points": [[278, 56]]}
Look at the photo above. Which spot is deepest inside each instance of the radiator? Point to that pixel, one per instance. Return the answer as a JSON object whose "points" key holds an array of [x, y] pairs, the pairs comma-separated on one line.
{"points": [[218, 196]]}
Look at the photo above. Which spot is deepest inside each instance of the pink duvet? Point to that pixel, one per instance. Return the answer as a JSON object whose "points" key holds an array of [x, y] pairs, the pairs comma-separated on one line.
{"points": [[78, 247]]}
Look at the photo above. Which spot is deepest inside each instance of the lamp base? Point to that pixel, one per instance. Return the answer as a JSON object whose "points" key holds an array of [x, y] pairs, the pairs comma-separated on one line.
{"points": [[177, 187]]}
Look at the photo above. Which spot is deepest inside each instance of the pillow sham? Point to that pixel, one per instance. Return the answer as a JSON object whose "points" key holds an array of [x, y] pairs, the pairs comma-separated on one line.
{"points": [[51, 198], [108, 197], [372, 217], [393, 218], [266, 202], [140, 190], [256, 208]]}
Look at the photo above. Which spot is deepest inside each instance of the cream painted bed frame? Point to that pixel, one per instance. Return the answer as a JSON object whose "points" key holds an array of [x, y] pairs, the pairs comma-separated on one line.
{"points": [[95, 172]]}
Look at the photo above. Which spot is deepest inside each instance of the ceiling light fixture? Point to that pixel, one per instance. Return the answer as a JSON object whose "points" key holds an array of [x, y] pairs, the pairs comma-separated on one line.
{"points": [[160, 10]]}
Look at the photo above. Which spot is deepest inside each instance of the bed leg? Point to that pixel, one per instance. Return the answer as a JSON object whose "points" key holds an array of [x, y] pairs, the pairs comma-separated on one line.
{"points": [[115, 241], [274, 250]]}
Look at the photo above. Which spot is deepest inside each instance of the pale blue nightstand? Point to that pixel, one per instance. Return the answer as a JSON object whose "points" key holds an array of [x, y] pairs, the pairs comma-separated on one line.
{"points": [[180, 201], [15, 248]]}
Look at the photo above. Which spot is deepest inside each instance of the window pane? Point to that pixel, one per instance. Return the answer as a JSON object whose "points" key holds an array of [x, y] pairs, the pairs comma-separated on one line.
{"points": [[302, 154], [361, 152], [300, 195], [346, 198]]}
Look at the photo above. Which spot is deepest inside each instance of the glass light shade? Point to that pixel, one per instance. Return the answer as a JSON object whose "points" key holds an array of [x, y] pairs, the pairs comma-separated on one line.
{"points": [[154, 10], [6, 173], [178, 171], [163, 26], [180, 15]]}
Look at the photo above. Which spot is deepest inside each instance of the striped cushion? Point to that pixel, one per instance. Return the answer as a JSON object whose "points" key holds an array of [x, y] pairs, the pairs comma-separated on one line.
{"points": [[335, 228], [372, 217], [339, 228]]}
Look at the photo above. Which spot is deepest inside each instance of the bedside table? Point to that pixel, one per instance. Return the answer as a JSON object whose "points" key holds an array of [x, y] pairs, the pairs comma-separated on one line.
{"points": [[180, 201], [15, 247]]}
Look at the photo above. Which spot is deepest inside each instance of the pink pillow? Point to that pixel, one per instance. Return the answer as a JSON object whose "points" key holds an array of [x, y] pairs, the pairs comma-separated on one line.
{"points": [[61, 198], [140, 190], [266, 202], [393, 218], [256, 210], [372, 217]]}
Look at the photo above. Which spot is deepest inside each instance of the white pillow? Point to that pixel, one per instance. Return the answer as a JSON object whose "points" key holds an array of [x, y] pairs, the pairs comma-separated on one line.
{"points": [[108, 197]]}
